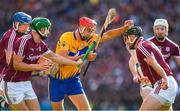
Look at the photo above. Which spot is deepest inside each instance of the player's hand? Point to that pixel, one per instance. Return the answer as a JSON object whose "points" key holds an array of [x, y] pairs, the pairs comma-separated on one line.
{"points": [[164, 84], [92, 56], [8, 56], [136, 78], [44, 66], [80, 56], [150, 60], [79, 62], [129, 23], [144, 80]]}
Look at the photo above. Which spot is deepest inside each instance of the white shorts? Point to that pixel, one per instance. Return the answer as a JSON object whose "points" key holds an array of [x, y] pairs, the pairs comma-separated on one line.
{"points": [[16, 92], [165, 96]]}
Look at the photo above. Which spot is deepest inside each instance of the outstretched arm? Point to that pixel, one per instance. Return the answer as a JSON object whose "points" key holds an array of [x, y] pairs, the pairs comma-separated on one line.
{"points": [[177, 59], [114, 33], [62, 60], [18, 64]]}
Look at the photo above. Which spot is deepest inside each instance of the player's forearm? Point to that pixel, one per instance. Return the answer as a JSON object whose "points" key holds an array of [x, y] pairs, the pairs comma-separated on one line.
{"points": [[132, 67], [21, 66], [74, 58], [114, 33], [60, 59], [160, 71], [177, 59]]}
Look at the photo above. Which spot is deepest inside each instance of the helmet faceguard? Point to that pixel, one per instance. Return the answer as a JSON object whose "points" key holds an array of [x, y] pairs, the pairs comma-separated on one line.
{"points": [[160, 24], [21, 18], [42, 26], [86, 28], [132, 35]]}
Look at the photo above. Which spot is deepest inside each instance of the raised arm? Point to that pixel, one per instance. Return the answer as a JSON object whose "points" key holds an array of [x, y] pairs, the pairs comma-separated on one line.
{"points": [[114, 33], [177, 59]]}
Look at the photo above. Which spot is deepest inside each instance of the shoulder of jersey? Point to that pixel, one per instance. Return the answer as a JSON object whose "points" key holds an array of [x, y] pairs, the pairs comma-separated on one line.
{"points": [[67, 35], [151, 38], [170, 41]]}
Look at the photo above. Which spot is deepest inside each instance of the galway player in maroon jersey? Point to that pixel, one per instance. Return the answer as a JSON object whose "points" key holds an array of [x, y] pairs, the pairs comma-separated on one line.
{"points": [[20, 27], [27, 51], [155, 68], [167, 47]]}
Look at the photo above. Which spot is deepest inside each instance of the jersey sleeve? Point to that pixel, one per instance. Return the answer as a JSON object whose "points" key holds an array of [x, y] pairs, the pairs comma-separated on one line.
{"points": [[176, 51], [5, 40], [20, 47], [45, 49], [63, 43]]}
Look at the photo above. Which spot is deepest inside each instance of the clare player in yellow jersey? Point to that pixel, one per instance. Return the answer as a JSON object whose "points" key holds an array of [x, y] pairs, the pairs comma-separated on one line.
{"points": [[73, 45]]}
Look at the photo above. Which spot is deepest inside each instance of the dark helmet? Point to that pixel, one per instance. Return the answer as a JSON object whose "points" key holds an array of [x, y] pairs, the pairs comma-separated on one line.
{"points": [[137, 32]]}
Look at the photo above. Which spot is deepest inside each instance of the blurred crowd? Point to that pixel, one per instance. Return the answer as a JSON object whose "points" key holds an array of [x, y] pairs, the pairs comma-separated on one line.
{"points": [[108, 83]]}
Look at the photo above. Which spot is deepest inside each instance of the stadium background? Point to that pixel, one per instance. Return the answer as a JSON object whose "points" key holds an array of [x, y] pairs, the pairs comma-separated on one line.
{"points": [[108, 84]]}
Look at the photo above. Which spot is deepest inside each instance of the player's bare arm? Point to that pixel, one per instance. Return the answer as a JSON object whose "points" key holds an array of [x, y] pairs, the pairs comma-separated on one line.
{"points": [[177, 59], [132, 67], [92, 56], [114, 33], [18, 64], [150, 60], [62, 60], [65, 53]]}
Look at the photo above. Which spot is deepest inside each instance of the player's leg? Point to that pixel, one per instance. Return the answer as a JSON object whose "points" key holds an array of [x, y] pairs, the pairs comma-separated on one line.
{"points": [[58, 105], [76, 94], [150, 103], [19, 106], [56, 93], [145, 90], [169, 93], [32, 104], [30, 98], [159, 98], [80, 101]]}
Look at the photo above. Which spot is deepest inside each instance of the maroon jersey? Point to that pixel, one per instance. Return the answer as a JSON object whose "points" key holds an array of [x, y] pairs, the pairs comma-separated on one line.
{"points": [[144, 49], [7, 42], [31, 51], [168, 48]]}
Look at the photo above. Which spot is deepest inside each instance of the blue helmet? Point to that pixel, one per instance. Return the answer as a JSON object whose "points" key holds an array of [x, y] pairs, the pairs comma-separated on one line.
{"points": [[22, 17]]}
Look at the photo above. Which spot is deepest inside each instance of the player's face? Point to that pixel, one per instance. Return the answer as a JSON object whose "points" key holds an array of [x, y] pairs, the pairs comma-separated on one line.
{"points": [[129, 40], [23, 27], [87, 32], [160, 31]]}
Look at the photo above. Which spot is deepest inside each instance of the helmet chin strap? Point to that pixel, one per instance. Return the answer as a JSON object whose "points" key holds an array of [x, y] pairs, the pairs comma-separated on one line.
{"points": [[15, 26], [133, 44], [42, 37], [82, 38]]}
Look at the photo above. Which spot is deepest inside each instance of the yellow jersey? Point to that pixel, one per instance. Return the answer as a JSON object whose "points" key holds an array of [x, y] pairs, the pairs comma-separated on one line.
{"points": [[69, 42]]}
